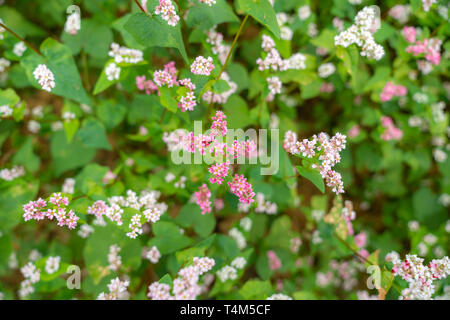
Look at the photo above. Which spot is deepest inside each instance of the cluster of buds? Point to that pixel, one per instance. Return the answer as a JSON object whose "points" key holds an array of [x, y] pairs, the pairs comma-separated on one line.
{"points": [[322, 148], [361, 34], [73, 23], [112, 72], [185, 286], [153, 255], [391, 90], [114, 259], [221, 98], [420, 277], [146, 85], [146, 201], [55, 207], [275, 86], [52, 264], [202, 198], [218, 47]]}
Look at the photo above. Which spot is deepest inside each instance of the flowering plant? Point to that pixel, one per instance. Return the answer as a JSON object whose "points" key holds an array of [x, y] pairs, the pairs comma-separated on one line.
{"points": [[217, 149]]}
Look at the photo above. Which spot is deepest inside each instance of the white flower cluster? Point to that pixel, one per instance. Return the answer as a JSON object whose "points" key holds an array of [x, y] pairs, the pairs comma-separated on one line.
{"points": [[361, 34], [420, 277], [32, 275], [52, 264], [125, 55], [218, 47], [85, 231], [238, 237], [185, 286], [246, 223], [114, 259], [4, 63], [73, 23], [427, 4], [45, 77], [153, 255], [229, 272], [5, 111], [146, 201], [68, 185], [13, 173], [19, 48], [279, 296], [275, 86], [286, 33], [273, 58], [326, 70], [112, 72], [117, 290], [208, 2]]}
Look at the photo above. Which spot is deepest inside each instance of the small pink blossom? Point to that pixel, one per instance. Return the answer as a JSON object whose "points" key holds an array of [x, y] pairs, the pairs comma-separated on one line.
{"points": [[202, 198], [274, 261], [409, 33]]}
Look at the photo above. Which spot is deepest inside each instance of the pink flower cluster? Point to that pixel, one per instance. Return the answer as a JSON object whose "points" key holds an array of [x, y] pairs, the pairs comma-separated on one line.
{"points": [[391, 132], [325, 150], [409, 33], [354, 131], [202, 65], [420, 277], [146, 85], [390, 90], [167, 11], [168, 76], [54, 208], [202, 198], [241, 188], [430, 47], [274, 261], [211, 143], [185, 286]]}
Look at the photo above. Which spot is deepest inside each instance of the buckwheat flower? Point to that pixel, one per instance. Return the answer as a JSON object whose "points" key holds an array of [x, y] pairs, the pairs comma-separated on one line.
{"points": [[439, 155], [202, 198], [112, 72], [167, 11], [221, 98], [19, 48], [208, 2], [241, 188], [218, 47], [390, 90], [286, 33], [44, 77], [34, 126], [32, 275], [13, 173], [146, 85], [274, 85], [152, 214], [114, 259], [239, 263], [246, 224], [267, 43], [304, 12], [279, 296], [427, 4], [238, 237], [444, 199], [227, 273], [4, 63], [85, 231], [34, 255], [67, 116], [180, 184], [274, 261], [400, 13], [52, 264], [5, 111], [312, 30], [438, 111], [391, 132], [326, 70], [203, 264], [73, 23], [117, 290], [153, 255], [202, 65], [409, 33], [219, 171], [123, 54]]}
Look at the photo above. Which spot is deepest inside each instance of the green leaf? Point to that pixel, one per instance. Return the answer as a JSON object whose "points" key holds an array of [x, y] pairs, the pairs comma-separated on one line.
{"points": [[9, 97], [312, 175], [93, 134], [103, 83], [168, 98], [155, 32], [263, 12], [207, 16], [26, 157], [256, 290], [70, 128], [191, 216], [59, 60], [168, 237]]}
